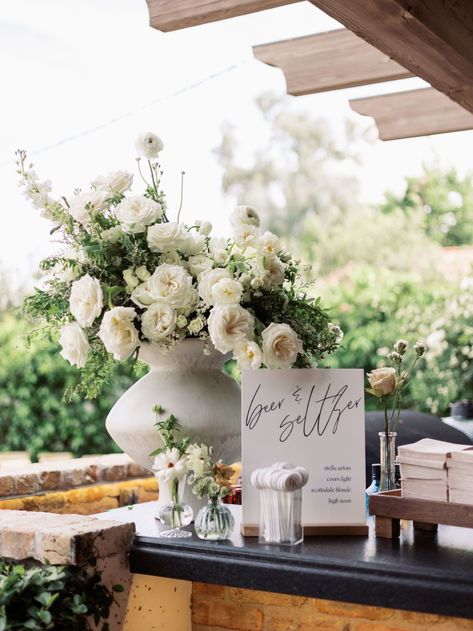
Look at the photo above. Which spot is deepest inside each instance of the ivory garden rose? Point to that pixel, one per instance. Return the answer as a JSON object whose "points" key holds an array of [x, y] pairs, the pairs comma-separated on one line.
{"points": [[382, 381], [130, 276]]}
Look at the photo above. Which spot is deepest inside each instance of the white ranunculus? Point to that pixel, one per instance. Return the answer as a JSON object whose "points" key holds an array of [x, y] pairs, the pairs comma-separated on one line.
{"points": [[199, 264], [280, 346], [169, 465], [246, 236], [158, 321], [228, 323], [268, 244], [248, 354], [205, 228], [172, 285], [208, 279], [164, 237], [141, 296], [138, 212], [148, 145], [226, 291], [244, 216], [118, 333], [112, 235], [85, 206], [75, 345], [115, 182], [86, 300]]}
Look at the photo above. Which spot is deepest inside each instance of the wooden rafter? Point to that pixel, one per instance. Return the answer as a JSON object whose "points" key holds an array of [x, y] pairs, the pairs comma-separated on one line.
{"points": [[329, 61], [171, 15], [414, 113], [432, 38]]}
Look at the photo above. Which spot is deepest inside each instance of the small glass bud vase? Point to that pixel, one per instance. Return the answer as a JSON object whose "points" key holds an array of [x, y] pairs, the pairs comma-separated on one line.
{"points": [[175, 514], [387, 453], [214, 521]]}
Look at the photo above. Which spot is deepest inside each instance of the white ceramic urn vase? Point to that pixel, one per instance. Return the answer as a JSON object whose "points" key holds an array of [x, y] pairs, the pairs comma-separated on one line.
{"points": [[192, 386]]}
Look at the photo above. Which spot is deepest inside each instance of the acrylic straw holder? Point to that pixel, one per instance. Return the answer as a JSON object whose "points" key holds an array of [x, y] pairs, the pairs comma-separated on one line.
{"points": [[280, 514]]}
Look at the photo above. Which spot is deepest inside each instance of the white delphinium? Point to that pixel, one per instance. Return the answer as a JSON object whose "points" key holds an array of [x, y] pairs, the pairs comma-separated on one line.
{"points": [[199, 459], [228, 323], [281, 346], [164, 237], [75, 345], [85, 206], [136, 213], [169, 465], [115, 182], [248, 354], [158, 322], [118, 333], [148, 145], [86, 300]]}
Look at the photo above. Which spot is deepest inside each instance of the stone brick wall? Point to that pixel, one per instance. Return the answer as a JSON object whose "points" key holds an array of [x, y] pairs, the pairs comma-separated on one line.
{"points": [[83, 485], [219, 608]]}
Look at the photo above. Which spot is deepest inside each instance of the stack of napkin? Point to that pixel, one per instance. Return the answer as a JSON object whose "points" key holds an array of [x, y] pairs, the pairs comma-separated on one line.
{"points": [[424, 471], [460, 476]]}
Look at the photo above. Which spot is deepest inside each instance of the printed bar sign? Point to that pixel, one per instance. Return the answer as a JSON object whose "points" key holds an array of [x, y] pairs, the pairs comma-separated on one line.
{"points": [[313, 418]]}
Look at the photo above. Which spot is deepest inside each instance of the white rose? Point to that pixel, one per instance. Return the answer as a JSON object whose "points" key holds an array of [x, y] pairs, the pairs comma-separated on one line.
{"points": [[115, 182], [130, 279], [274, 271], [163, 237], [172, 285], [208, 279], [382, 381], [112, 235], [138, 212], [244, 216], [75, 345], [86, 300], [171, 258], [158, 322], [199, 264], [148, 145], [196, 325], [142, 273], [226, 292], [268, 244], [142, 297], [280, 346], [248, 354], [85, 206], [118, 333], [192, 244], [228, 323], [205, 228]]}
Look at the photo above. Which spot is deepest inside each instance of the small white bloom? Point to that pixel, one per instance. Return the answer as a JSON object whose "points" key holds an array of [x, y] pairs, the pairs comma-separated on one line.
{"points": [[163, 237], [65, 272], [148, 145], [205, 228], [138, 212], [112, 235], [115, 182], [199, 459], [130, 279], [181, 321], [228, 323], [75, 345], [85, 206], [171, 258], [248, 354], [199, 264], [217, 244], [169, 465], [280, 346], [118, 333], [226, 291], [142, 297], [86, 300], [158, 322], [268, 243], [336, 332], [208, 279], [142, 273], [244, 216], [246, 236], [193, 244], [172, 285], [196, 325], [274, 271]]}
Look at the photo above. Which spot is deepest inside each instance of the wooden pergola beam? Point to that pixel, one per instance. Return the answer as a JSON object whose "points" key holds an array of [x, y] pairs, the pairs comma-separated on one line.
{"points": [[414, 113], [171, 15], [431, 38], [329, 61]]}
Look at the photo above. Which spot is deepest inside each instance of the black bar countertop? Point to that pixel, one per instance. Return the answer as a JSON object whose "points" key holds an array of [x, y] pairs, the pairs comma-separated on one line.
{"points": [[422, 571]]}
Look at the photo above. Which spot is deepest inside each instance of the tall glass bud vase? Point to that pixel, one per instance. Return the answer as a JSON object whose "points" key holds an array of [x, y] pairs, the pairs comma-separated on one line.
{"points": [[387, 446]]}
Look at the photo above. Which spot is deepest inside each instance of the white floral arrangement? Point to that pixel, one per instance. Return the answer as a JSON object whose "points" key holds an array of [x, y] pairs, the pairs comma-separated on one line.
{"points": [[128, 276]]}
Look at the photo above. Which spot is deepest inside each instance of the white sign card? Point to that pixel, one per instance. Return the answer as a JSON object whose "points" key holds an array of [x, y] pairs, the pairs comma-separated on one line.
{"points": [[313, 418]]}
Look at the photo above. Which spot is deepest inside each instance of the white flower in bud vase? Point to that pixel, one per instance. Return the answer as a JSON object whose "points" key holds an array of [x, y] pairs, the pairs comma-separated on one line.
{"points": [[116, 182], [172, 285], [199, 264], [226, 291], [248, 354], [281, 346], [85, 206], [136, 213], [86, 300], [208, 280], [198, 459], [244, 216], [148, 145], [228, 323], [382, 381], [75, 345], [169, 465], [163, 237], [158, 322], [205, 228], [112, 235], [118, 333]]}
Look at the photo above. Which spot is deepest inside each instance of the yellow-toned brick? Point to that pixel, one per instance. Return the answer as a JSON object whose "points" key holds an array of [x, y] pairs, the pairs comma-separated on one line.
{"points": [[227, 615], [265, 598], [206, 590], [348, 610], [379, 626]]}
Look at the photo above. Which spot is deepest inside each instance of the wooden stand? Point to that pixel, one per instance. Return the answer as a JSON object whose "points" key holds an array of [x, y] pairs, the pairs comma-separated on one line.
{"points": [[310, 530], [389, 508]]}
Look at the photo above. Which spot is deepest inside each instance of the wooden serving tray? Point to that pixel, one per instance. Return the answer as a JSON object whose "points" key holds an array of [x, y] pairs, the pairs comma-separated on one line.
{"points": [[389, 508]]}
